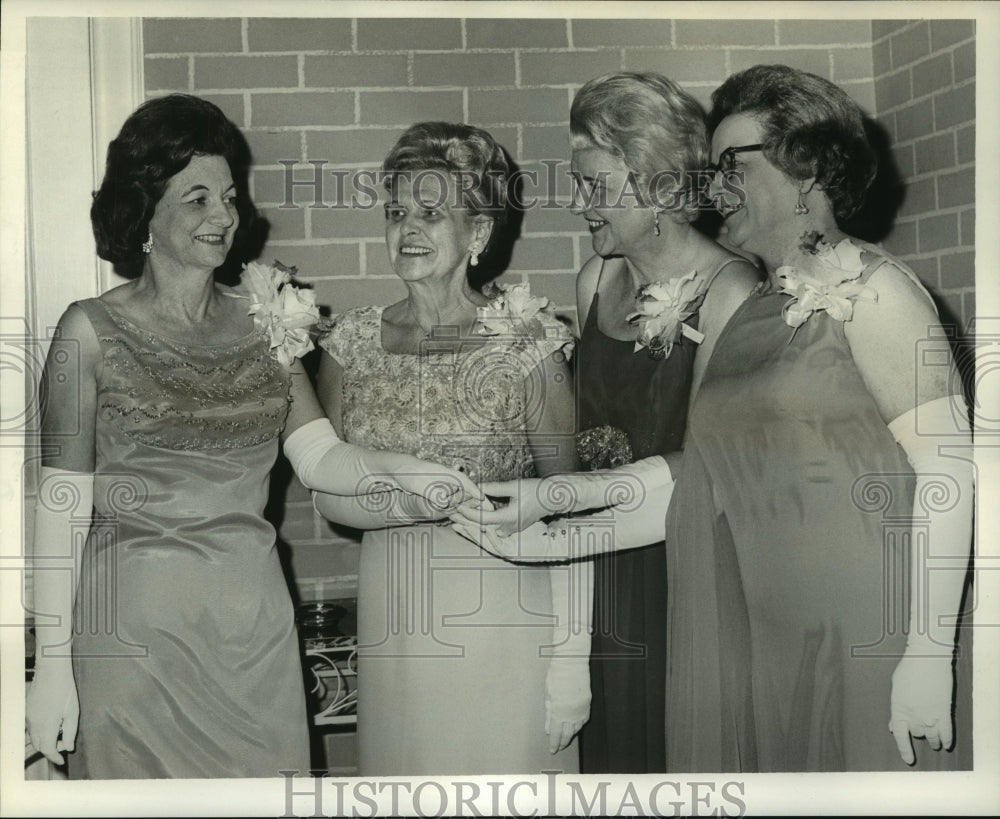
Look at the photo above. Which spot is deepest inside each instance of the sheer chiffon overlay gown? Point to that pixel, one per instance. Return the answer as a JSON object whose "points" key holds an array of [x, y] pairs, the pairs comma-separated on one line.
{"points": [[186, 655], [453, 643], [647, 400], [787, 567]]}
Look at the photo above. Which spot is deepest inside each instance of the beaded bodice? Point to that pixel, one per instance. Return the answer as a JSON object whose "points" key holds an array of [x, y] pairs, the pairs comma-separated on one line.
{"points": [[465, 403], [167, 394]]}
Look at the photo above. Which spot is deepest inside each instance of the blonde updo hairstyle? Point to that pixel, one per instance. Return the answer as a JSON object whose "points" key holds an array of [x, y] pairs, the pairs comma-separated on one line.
{"points": [[656, 128]]}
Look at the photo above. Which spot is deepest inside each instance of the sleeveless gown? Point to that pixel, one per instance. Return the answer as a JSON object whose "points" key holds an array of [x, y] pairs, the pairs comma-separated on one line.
{"points": [[787, 581], [185, 652], [453, 642], [647, 400]]}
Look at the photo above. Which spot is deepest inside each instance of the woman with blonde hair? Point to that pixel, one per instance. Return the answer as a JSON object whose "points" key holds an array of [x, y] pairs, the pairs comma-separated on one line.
{"points": [[651, 301]]}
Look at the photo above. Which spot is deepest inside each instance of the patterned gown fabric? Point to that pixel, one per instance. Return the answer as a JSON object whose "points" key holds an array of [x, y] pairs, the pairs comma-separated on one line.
{"points": [[787, 577], [186, 653], [452, 642]]}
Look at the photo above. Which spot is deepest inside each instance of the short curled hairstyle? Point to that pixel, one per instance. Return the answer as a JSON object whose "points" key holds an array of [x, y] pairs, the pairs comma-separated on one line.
{"points": [[157, 142], [811, 128], [470, 155], [656, 128]]}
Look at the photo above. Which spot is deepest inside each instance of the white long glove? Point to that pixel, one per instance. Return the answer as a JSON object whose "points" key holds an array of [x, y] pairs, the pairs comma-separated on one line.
{"points": [[639, 521], [922, 683], [325, 463], [532, 499], [567, 684], [52, 710]]}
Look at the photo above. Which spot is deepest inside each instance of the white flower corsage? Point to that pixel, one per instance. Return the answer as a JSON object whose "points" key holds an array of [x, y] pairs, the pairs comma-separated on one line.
{"points": [[824, 277], [512, 309], [284, 311], [661, 310]]}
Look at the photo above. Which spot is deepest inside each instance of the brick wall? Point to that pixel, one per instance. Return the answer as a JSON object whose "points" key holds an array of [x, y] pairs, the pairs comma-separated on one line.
{"points": [[337, 93], [925, 95]]}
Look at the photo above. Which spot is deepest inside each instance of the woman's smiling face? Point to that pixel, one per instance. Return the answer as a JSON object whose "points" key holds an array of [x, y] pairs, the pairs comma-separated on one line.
{"points": [[759, 218], [618, 223], [196, 218], [427, 232]]}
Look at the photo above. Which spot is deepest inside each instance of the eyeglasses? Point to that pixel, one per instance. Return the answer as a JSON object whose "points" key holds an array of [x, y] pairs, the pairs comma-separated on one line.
{"points": [[727, 159]]}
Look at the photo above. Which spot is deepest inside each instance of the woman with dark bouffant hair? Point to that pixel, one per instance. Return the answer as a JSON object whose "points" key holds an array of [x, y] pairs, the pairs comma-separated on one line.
{"points": [[471, 665], [159, 142], [166, 399]]}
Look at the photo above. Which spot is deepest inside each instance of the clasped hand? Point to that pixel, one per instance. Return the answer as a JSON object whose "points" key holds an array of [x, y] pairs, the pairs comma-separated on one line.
{"points": [[522, 505], [434, 490], [512, 529]]}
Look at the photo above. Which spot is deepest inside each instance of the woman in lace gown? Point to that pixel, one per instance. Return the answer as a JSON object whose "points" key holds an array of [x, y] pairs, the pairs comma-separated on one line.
{"points": [[632, 399], [165, 406], [456, 666]]}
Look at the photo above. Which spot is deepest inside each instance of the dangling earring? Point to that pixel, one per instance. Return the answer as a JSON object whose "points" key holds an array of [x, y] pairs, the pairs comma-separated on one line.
{"points": [[147, 246], [656, 223], [800, 206], [474, 258]]}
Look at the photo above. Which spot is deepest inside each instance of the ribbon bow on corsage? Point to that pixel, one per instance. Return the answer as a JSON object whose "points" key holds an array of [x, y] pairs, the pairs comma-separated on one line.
{"points": [[282, 310], [512, 308], [823, 278], [661, 310]]}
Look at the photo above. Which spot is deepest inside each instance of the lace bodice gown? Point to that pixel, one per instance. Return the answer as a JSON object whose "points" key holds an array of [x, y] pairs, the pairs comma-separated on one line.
{"points": [[452, 641], [186, 653]]}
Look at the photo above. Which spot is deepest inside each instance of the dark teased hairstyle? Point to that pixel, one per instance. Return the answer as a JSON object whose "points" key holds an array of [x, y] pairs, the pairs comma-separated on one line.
{"points": [[652, 125], [469, 154], [157, 142], [811, 127]]}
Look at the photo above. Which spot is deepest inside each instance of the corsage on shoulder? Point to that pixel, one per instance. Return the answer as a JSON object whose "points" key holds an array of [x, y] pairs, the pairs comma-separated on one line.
{"points": [[512, 309], [284, 311], [661, 310], [824, 277]]}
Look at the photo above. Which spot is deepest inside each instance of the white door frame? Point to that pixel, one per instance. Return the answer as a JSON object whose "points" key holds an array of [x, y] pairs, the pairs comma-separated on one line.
{"points": [[83, 78]]}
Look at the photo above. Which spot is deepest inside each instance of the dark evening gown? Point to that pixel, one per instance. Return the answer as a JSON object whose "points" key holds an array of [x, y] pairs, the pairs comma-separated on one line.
{"points": [[647, 400], [186, 655], [788, 580]]}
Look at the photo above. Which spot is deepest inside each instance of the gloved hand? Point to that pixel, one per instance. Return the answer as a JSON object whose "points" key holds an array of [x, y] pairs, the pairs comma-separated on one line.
{"points": [[52, 710], [324, 463], [922, 690], [530, 500], [567, 683], [937, 441]]}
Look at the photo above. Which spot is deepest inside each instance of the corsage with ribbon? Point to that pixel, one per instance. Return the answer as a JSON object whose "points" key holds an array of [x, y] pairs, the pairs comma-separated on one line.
{"points": [[282, 310], [823, 277], [512, 309], [661, 310]]}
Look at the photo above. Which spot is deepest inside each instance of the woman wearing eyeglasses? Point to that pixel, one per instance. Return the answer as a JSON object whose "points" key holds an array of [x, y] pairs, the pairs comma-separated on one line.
{"points": [[814, 479], [819, 533]]}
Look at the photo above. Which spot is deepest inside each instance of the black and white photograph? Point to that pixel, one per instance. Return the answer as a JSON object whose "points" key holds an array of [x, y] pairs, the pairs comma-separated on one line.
{"points": [[477, 409]]}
